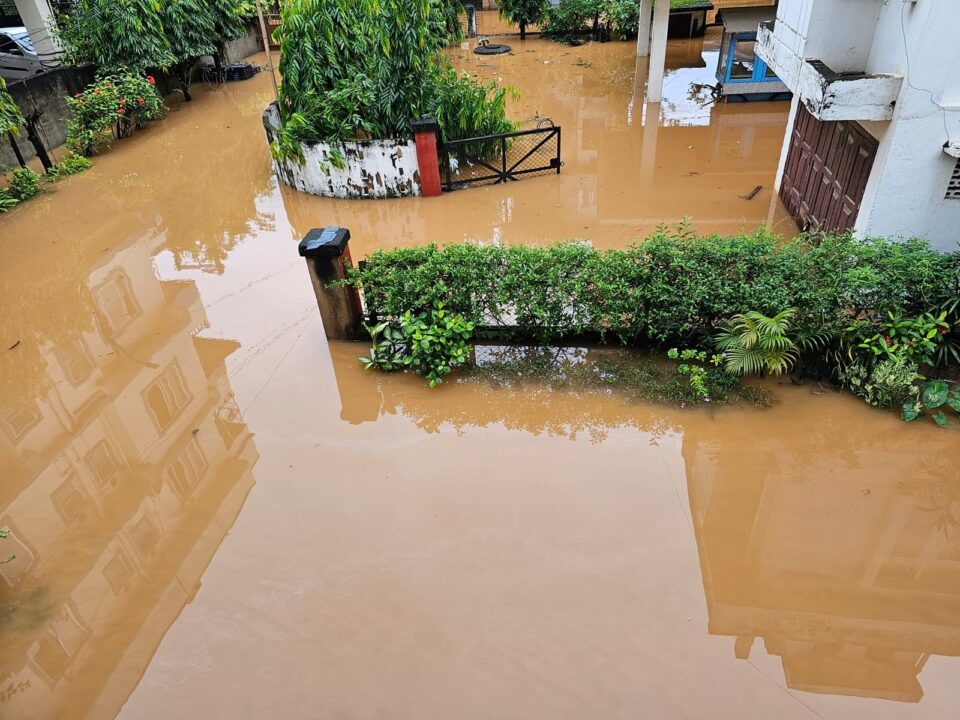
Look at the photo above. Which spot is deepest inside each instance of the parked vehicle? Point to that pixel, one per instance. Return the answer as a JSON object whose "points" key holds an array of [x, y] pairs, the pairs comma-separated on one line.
{"points": [[18, 57]]}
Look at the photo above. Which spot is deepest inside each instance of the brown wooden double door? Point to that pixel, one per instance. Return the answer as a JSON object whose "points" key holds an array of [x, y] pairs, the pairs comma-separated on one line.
{"points": [[826, 172]]}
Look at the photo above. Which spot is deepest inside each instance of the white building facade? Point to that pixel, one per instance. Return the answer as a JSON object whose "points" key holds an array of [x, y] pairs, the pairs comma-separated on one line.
{"points": [[873, 139]]}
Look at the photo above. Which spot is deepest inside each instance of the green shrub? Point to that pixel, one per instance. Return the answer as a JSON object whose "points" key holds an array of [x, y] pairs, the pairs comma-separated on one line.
{"points": [[111, 108], [24, 184], [917, 339], [670, 288], [889, 383]]}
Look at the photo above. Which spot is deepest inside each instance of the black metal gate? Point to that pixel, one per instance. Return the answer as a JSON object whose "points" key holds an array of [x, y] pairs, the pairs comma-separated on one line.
{"points": [[498, 158]]}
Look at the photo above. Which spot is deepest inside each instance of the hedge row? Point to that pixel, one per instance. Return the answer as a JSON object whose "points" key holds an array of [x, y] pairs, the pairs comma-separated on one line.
{"points": [[668, 288]]}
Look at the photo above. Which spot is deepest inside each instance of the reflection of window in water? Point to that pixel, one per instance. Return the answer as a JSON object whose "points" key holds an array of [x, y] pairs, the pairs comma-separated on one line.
{"points": [[166, 397], [744, 57], [145, 535], [118, 571], [12, 570], [74, 358], [102, 462], [51, 654], [69, 501], [18, 421], [229, 420], [185, 472], [116, 302]]}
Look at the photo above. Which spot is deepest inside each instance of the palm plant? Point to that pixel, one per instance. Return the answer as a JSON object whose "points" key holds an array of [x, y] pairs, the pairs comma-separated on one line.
{"points": [[754, 344]]}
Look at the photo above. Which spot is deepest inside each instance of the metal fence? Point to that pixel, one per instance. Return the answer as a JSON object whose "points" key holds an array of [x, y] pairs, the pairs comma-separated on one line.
{"points": [[495, 159]]}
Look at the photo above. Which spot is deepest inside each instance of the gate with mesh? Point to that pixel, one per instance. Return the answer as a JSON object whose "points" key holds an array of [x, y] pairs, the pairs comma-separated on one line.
{"points": [[495, 159]]}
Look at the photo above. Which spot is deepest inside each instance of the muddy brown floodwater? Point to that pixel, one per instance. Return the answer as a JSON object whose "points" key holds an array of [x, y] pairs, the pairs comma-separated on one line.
{"points": [[215, 513]]}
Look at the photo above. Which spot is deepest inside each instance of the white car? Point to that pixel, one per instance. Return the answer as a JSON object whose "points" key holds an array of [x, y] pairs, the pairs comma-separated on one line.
{"points": [[18, 57]]}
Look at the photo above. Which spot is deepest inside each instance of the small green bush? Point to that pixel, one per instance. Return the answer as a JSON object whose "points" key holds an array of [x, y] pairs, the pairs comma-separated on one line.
{"points": [[889, 383], [670, 288], [73, 164]]}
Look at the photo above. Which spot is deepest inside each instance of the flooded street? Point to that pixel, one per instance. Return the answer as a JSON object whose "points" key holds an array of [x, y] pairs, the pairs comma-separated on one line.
{"points": [[215, 513]]}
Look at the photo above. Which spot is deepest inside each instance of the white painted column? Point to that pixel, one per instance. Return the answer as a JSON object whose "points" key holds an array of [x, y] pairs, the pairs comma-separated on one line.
{"points": [[658, 50], [643, 29], [38, 18]]}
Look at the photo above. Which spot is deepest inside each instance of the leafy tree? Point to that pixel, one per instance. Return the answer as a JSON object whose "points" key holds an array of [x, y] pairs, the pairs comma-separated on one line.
{"points": [[523, 12], [190, 29], [363, 68], [230, 21], [140, 35], [115, 34]]}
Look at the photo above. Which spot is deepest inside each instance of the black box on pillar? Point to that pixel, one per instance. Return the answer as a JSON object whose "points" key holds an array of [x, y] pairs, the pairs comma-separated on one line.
{"points": [[327, 252]]}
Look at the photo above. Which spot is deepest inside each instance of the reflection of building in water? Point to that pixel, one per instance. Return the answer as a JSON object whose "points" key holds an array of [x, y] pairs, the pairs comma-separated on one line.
{"points": [[850, 577], [123, 469]]}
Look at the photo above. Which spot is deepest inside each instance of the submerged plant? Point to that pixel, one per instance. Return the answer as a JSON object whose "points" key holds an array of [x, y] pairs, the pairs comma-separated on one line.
{"points": [[24, 184], [3, 535], [431, 344], [933, 401], [693, 367]]}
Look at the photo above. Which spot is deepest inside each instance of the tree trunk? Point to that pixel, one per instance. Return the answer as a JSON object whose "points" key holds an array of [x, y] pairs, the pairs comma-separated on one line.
{"points": [[183, 75], [523, 29], [34, 137], [16, 149]]}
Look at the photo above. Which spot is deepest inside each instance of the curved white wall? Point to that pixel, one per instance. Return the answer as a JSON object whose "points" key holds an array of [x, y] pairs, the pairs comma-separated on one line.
{"points": [[373, 168]]}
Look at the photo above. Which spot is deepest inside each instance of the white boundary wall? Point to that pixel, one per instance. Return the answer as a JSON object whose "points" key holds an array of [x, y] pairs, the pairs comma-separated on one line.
{"points": [[372, 169]]}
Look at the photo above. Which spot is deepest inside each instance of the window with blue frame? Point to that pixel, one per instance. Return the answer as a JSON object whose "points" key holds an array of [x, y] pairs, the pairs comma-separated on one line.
{"points": [[739, 59]]}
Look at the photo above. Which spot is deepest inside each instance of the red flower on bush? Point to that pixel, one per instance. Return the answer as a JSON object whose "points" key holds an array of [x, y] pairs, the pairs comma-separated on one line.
{"points": [[151, 80], [121, 111], [123, 101], [79, 95], [140, 100], [96, 92]]}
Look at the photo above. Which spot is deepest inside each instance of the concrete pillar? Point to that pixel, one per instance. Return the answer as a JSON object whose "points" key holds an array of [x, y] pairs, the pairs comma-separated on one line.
{"points": [[471, 12], [658, 50], [425, 135], [38, 18], [327, 253], [643, 30]]}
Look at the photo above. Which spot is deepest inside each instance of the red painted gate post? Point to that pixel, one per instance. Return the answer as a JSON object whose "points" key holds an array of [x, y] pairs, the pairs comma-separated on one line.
{"points": [[425, 134]]}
